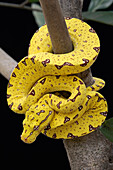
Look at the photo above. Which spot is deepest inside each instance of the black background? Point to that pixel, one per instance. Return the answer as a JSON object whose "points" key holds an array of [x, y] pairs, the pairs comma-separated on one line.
{"points": [[16, 29]]}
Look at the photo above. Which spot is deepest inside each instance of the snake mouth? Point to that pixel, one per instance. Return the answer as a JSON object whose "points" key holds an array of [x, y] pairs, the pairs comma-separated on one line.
{"points": [[29, 139], [25, 140]]}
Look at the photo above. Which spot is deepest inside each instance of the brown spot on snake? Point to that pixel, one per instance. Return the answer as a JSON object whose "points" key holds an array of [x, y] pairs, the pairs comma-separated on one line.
{"points": [[19, 107], [66, 63], [104, 113], [24, 62], [58, 105], [17, 67], [45, 62], [41, 111], [91, 128], [74, 79], [92, 30], [99, 98], [80, 108], [32, 93], [97, 49], [8, 96], [10, 106], [43, 81], [9, 85], [76, 95], [86, 61], [54, 135], [89, 97], [71, 135], [66, 119], [32, 59]]}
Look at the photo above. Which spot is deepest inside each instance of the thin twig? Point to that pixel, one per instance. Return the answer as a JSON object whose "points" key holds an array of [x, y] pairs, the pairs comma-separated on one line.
{"points": [[24, 3], [20, 6]]}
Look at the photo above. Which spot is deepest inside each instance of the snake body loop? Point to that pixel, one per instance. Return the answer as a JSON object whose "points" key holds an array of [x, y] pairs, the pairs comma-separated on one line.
{"points": [[35, 85]]}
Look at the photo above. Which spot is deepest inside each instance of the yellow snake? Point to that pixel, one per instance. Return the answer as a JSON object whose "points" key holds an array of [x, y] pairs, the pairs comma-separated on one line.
{"points": [[35, 84]]}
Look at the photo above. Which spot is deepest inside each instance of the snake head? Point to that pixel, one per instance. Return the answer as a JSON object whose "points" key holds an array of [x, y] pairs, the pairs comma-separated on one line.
{"points": [[36, 119], [29, 133]]}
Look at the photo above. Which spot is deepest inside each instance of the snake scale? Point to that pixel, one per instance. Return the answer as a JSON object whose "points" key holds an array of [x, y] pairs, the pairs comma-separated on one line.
{"points": [[35, 86]]}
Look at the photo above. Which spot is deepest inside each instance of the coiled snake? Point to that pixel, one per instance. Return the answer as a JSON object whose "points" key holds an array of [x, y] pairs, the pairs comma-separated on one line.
{"points": [[35, 84]]}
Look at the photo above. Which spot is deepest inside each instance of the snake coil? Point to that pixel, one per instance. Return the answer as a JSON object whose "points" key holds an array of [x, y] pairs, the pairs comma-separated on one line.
{"points": [[37, 80]]}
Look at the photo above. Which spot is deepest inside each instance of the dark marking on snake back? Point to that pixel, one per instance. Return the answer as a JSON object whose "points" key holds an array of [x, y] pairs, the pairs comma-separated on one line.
{"points": [[36, 127], [17, 67], [58, 105], [76, 122], [50, 112], [48, 127], [10, 106], [74, 79], [9, 85], [8, 96], [13, 74], [86, 61], [32, 59], [71, 135], [91, 128], [57, 77], [19, 107], [32, 92], [43, 81], [78, 94], [95, 57], [54, 135], [89, 97], [50, 95], [66, 119], [99, 98], [45, 62], [92, 30], [41, 111], [104, 113], [97, 49], [81, 82], [66, 63], [80, 108], [24, 62]]}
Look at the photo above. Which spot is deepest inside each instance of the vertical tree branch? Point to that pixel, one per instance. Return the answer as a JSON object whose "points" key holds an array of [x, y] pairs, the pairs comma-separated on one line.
{"points": [[72, 8], [60, 38]]}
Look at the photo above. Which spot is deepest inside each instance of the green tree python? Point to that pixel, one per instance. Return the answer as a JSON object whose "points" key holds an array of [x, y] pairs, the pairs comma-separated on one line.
{"points": [[37, 80]]}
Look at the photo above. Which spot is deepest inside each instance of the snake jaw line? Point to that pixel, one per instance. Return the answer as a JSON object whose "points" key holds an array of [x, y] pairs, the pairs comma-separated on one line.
{"points": [[35, 84]]}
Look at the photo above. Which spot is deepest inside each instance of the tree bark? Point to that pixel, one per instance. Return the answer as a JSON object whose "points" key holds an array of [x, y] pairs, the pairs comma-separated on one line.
{"points": [[7, 64], [90, 152], [53, 15], [72, 8]]}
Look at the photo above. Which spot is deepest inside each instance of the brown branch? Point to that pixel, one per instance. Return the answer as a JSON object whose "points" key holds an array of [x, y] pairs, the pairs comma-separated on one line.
{"points": [[72, 8], [60, 38], [7, 64], [19, 6], [90, 152]]}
